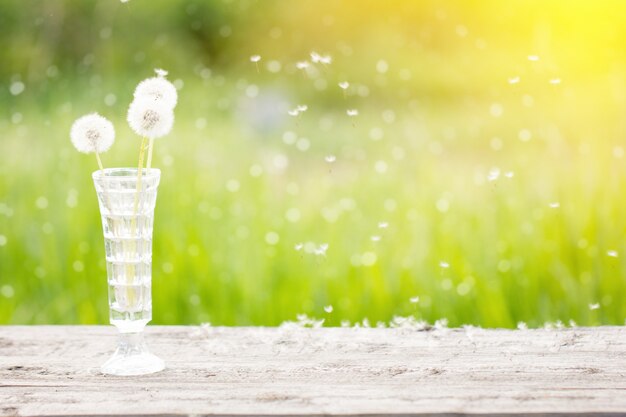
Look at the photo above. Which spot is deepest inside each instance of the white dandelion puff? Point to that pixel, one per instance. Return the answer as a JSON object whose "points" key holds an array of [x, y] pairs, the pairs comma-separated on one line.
{"points": [[555, 81], [522, 326], [444, 264], [298, 246], [302, 108], [533, 58], [514, 80], [149, 118], [554, 205], [383, 225], [375, 238], [92, 133], [344, 85], [158, 89], [352, 112], [509, 174], [326, 60], [594, 306], [293, 112], [613, 253], [414, 300], [330, 158], [328, 309], [255, 58]]}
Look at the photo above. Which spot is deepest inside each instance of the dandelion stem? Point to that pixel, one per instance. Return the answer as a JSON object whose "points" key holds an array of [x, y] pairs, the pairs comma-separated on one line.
{"points": [[130, 296], [99, 161], [142, 151], [150, 146]]}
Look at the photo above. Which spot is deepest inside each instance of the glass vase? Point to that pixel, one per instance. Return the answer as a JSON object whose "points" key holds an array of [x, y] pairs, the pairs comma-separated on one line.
{"points": [[127, 211]]}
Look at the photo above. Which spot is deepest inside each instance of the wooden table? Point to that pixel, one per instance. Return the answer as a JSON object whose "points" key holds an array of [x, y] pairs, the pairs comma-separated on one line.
{"points": [[54, 370]]}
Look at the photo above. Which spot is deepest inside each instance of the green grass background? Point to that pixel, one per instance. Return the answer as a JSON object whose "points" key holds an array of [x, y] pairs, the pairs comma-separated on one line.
{"points": [[437, 114]]}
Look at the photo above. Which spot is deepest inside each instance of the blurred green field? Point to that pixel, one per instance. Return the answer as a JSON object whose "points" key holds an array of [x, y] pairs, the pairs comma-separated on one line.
{"points": [[490, 142]]}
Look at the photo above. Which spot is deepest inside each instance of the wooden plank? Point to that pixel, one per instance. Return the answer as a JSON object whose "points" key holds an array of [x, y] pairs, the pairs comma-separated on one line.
{"points": [[54, 370]]}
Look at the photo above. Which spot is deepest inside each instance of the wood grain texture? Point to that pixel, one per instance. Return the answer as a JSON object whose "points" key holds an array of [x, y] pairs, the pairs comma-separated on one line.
{"points": [[54, 370]]}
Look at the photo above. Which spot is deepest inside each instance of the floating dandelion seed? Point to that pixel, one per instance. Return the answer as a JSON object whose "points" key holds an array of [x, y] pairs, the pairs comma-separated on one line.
{"points": [[555, 81], [533, 58], [330, 158], [302, 65], [383, 225], [555, 204], [298, 246], [315, 57], [344, 86], [328, 309], [494, 174], [514, 80], [255, 59], [92, 134], [594, 306], [613, 254], [302, 108], [509, 174], [293, 112], [444, 264], [522, 326], [326, 60], [375, 238], [321, 250], [414, 300], [352, 112]]}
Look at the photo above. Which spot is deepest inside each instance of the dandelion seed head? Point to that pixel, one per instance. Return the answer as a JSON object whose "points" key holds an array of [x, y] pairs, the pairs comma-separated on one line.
{"points": [[293, 112], [383, 225], [414, 300], [326, 60], [92, 133], [533, 58], [330, 158], [555, 81], [375, 238], [522, 326], [344, 85], [613, 254], [509, 174], [149, 118], [352, 112], [298, 246], [555, 204], [594, 306], [302, 108], [328, 309], [444, 264], [514, 80], [158, 89], [255, 58]]}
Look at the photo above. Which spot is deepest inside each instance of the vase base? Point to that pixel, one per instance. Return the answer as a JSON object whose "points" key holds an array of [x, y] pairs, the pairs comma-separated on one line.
{"points": [[132, 358]]}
